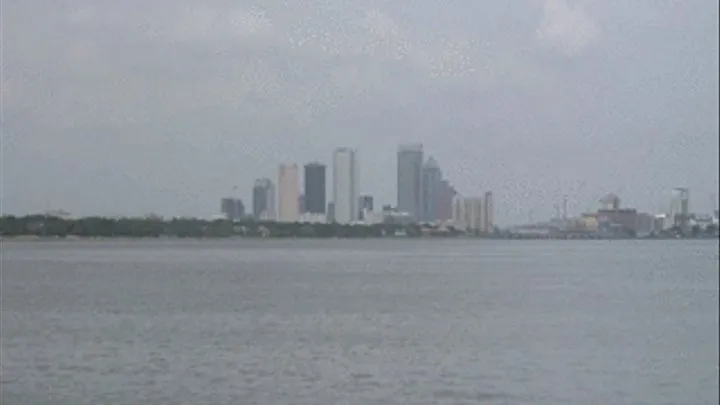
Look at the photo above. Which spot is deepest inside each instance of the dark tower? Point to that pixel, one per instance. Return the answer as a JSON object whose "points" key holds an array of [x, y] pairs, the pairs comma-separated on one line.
{"points": [[315, 188]]}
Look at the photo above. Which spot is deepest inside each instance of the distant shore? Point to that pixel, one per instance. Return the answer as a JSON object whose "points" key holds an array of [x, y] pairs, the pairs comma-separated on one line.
{"points": [[72, 238], [40, 227]]}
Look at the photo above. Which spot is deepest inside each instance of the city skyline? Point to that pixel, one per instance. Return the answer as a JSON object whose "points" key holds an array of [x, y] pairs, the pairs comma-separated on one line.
{"points": [[439, 201], [125, 109], [434, 193], [266, 204]]}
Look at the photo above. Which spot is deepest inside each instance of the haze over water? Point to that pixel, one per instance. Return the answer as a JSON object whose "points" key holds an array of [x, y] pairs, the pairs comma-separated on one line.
{"points": [[360, 322]]}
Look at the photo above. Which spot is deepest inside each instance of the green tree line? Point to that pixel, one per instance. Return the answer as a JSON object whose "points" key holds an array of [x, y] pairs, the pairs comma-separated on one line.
{"points": [[49, 226]]}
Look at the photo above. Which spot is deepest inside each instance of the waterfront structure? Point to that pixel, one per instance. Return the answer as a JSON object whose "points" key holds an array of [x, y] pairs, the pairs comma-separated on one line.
{"points": [[372, 218], [589, 222], [615, 221], [315, 188], [409, 179], [308, 217], [263, 200], [346, 185], [288, 193], [397, 217], [430, 189]]}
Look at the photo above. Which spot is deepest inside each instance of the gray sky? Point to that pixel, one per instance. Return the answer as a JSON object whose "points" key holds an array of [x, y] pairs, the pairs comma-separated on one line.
{"points": [[130, 107]]}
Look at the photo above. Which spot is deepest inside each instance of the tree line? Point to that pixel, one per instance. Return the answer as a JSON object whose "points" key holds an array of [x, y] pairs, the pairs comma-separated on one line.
{"points": [[50, 226]]}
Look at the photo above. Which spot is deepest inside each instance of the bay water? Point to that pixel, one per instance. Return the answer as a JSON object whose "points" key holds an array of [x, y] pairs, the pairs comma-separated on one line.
{"points": [[377, 321]]}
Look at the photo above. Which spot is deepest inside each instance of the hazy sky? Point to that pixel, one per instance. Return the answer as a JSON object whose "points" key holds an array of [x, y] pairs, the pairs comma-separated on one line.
{"points": [[130, 107]]}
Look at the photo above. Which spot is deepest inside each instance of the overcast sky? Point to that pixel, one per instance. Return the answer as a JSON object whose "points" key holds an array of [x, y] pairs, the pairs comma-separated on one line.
{"points": [[131, 107]]}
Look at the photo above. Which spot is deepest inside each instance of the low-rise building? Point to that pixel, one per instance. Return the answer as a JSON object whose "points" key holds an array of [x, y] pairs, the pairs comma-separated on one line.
{"points": [[313, 218]]}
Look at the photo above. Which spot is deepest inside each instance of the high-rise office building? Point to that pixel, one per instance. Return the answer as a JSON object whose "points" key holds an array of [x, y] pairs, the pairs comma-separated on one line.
{"points": [[264, 200], [680, 207], [288, 193], [301, 204], [330, 216], [239, 209], [315, 192], [489, 225], [232, 208], [443, 207], [227, 207], [431, 178], [409, 180], [346, 185]]}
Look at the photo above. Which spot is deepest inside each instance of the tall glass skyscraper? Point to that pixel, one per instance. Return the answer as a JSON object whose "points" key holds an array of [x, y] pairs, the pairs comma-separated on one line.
{"points": [[315, 188], [431, 183], [264, 199], [409, 179], [346, 185]]}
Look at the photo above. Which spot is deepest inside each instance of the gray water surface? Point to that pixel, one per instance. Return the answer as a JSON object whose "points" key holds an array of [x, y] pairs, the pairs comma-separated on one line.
{"points": [[359, 322]]}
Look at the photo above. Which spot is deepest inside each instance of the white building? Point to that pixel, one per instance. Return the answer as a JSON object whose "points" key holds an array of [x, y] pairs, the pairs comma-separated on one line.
{"points": [[288, 193], [346, 185], [474, 214], [313, 218], [371, 218]]}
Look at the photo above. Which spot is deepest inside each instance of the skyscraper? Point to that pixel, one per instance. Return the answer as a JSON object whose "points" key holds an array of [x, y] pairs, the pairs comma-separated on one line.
{"points": [[330, 216], [264, 199], [301, 204], [346, 185], [288, 193], [315, 194], [680, 207], [488, 213], [443, 206], [431, 178], [232, 208], [239, 209], [409, 179]]}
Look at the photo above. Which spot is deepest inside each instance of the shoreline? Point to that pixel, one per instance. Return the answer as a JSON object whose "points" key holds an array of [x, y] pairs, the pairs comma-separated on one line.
{"points": [[34, 228], [73, 238]]}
